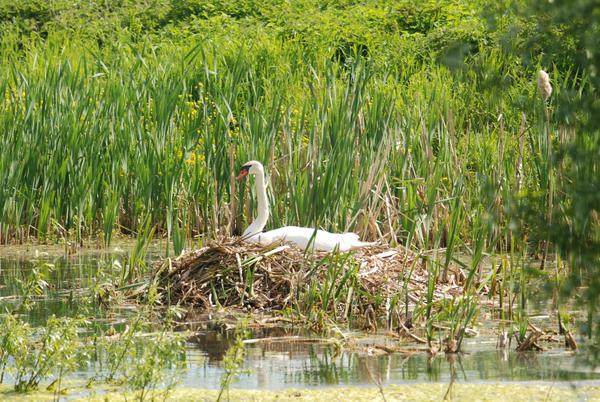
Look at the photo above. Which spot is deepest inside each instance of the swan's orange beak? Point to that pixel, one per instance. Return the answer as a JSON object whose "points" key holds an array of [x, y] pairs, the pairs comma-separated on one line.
{"points": [[243, 173]]}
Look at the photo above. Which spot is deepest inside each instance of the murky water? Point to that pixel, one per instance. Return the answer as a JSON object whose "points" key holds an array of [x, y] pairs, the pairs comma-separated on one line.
{"points": [[278, 363]]}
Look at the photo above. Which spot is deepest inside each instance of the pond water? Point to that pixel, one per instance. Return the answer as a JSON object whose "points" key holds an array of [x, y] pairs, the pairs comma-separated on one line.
{"points": [[279, 363]]}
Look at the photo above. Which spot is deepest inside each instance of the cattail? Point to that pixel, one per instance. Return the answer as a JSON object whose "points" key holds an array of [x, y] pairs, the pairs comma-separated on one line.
{"points": [[544, 85]]}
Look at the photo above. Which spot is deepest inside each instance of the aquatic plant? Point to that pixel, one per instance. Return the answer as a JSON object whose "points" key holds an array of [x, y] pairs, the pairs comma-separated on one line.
{"points": [[233, 359], [460, 313], [37, 353], [16, 335], [150, 363], [35, 282], [159, 364], [332, 294], [137, 256]]}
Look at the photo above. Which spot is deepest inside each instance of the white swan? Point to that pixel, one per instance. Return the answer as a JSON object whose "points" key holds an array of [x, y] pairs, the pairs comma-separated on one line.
{"points": [[302, 237]]}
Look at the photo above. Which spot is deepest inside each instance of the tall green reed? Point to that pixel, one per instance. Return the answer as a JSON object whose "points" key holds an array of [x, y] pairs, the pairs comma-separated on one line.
{"points": [[105, 138]]}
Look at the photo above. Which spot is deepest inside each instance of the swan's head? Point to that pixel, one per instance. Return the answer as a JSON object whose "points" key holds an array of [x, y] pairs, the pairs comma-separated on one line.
{"points": [[251, 167]]}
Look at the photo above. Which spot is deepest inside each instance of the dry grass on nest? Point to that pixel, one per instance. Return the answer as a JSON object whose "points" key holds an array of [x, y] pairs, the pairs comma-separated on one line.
{"points": [[278, 273]]}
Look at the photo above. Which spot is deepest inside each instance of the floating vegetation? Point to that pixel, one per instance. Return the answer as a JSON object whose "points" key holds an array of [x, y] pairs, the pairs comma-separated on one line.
{"points": [[412, 392]]}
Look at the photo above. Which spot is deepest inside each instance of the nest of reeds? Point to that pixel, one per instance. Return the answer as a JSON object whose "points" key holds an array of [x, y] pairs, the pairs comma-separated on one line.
{"points": [[233, 273]]}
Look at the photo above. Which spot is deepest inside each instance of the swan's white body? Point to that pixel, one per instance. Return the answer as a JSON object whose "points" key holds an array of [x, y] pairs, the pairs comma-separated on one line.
{"points": [[302, 237]]}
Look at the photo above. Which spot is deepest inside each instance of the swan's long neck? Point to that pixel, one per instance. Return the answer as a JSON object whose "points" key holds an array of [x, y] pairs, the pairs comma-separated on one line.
{"points": [[263, 208]]}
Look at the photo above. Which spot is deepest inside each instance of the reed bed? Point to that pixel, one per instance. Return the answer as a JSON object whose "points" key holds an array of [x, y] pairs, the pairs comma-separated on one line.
{"points": [[393, 142], [98, 146]]}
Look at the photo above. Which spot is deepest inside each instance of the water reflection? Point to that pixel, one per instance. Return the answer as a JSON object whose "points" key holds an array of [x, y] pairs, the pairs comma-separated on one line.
{"points": [[287, 364], [65, 279]]}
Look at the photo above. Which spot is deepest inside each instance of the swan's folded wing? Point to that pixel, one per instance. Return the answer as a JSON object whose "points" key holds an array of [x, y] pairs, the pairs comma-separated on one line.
{"points": [[322, 240], [350, 236]]}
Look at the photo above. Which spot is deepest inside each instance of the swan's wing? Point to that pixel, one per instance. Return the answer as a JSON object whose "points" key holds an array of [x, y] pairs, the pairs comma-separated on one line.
{"points": [[351, 236], [305, 237], [293, 234], [322, 240]]}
